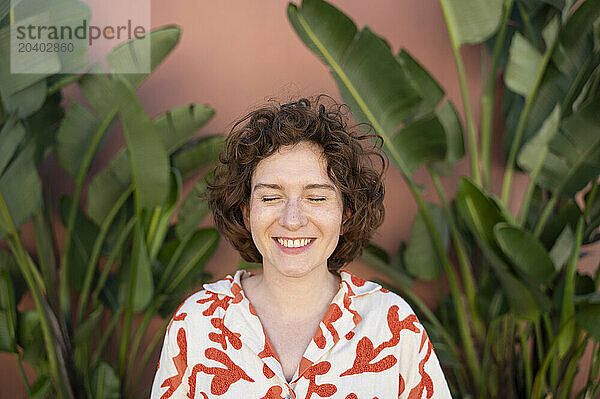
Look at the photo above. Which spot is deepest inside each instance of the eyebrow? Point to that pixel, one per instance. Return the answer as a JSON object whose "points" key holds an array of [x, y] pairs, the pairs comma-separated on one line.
{"points": [[307, 187]]}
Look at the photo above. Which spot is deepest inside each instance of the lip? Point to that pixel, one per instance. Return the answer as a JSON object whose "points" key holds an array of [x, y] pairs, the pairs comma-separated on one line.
{"points": [[294, 251]]}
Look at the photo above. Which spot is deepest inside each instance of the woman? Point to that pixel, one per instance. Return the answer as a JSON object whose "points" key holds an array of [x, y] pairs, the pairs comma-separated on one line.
{"points": [[298, 192]]}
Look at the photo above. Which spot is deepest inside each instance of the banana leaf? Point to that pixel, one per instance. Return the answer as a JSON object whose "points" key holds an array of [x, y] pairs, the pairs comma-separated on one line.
{"points": [[175, 127], [147, 154], [105, 383], [193, 209], [420, 256], [574, 157], [8, 312], [20, 190], [472, 21]]}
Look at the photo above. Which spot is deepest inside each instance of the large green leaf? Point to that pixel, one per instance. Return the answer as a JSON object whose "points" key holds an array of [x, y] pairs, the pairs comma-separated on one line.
{"points": [[576, 40], [20, 188], [13, 83], [193, 210], [26, 101], [84, 236], [553, 90], [105, 383], [432, 95], [421, 142], [198, 154], [526, 253], [185, 260], [567, 215], [455, 145], [147, 154], [30, 336], [562, 248], [43, 125], [161, 216], [162, 42], [537, 147], [59, 13], [523, 64], [89, 326], [568, 304], [481, 213], [99, 88], [191, 255], [7, 262], [41, 388], [377, 87], [142, 272], [8, 312], [520, 298], [478, 211], [429, 88], [74, 137], [574, 157], [588, 317], [24, 93], [420, 256], [11, 136], [174, 128], [472, 21]]}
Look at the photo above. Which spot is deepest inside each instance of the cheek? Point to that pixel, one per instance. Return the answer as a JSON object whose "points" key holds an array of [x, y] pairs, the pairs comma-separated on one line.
{"points": [[331, 219], [259, 220]]}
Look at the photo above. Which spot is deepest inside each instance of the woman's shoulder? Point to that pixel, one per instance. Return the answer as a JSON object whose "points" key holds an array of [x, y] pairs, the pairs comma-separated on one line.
{"points": [[372, 298], [211, 299]]}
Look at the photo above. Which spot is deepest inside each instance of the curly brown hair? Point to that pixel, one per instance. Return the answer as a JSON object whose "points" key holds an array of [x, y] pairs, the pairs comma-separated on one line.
{"points": [[350, 167]]}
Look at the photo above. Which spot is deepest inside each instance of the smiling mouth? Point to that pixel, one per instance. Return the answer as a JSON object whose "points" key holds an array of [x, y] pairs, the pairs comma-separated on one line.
{"points": [[294, 243]]}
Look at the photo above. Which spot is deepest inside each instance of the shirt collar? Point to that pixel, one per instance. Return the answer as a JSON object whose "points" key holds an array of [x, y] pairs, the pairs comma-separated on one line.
{"points": [[352, 284], [339, 321]]}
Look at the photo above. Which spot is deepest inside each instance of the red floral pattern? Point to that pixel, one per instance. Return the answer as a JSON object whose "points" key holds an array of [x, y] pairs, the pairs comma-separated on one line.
{"points": [[219, 349]]}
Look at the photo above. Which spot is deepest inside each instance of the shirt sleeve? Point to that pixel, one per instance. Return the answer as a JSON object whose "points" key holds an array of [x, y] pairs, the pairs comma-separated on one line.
{"points": [[172, 374], [421, 375]]}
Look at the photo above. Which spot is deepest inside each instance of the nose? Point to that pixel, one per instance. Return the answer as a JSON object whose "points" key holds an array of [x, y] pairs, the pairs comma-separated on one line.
{"points": [[293, 216]]}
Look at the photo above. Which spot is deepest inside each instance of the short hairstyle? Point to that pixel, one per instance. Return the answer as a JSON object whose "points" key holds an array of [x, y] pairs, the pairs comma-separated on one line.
{"points": [[349, 161]]}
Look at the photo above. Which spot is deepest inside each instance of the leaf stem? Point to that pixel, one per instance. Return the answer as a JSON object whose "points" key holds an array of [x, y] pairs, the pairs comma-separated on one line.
{"points": [[531, 187], [515, 145], [65, 301], [27, 268], [487, 100], [147, 353], [22, 372], [526, 359], [93, 259], [465, 96], [465, 266]]}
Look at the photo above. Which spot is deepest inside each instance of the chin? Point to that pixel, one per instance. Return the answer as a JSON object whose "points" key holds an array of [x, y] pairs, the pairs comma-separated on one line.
{"points": [[295, 270]]}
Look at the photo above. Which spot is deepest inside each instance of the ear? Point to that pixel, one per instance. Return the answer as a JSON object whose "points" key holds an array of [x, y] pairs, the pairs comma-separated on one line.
{"points": [[246, 215]]}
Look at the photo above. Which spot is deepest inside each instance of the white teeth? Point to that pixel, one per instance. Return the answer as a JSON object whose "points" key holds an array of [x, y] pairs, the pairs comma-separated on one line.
{"points": [[294, 243]]}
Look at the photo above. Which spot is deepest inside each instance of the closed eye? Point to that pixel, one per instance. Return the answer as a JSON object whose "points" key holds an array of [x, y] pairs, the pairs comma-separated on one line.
{"points": [[317, 199], [268, 199]]}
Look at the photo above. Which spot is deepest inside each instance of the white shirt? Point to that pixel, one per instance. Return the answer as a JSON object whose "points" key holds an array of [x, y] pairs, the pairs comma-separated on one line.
{"points": [[368, 345]]}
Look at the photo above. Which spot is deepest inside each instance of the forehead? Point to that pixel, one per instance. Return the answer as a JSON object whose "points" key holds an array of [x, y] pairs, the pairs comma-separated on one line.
{"points": [[304, 161]]}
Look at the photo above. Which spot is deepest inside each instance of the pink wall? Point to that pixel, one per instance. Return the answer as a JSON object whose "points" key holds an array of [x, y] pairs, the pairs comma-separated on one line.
{"points": [[234, 55]]}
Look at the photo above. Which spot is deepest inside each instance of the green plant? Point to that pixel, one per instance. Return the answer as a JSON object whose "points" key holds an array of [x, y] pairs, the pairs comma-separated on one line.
{"points": [[518, 315], [122, 261]]}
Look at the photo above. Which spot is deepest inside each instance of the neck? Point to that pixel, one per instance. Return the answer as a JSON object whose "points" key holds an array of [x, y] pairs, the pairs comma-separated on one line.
{"points": [[297, 298]]}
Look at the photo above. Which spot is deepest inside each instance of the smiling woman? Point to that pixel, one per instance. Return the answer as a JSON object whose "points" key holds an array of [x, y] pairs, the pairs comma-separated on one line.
{"points": [[298, 191]]}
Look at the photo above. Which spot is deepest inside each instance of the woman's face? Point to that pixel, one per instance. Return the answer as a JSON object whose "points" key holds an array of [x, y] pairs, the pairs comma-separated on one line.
{"points": [[295, 211]]}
